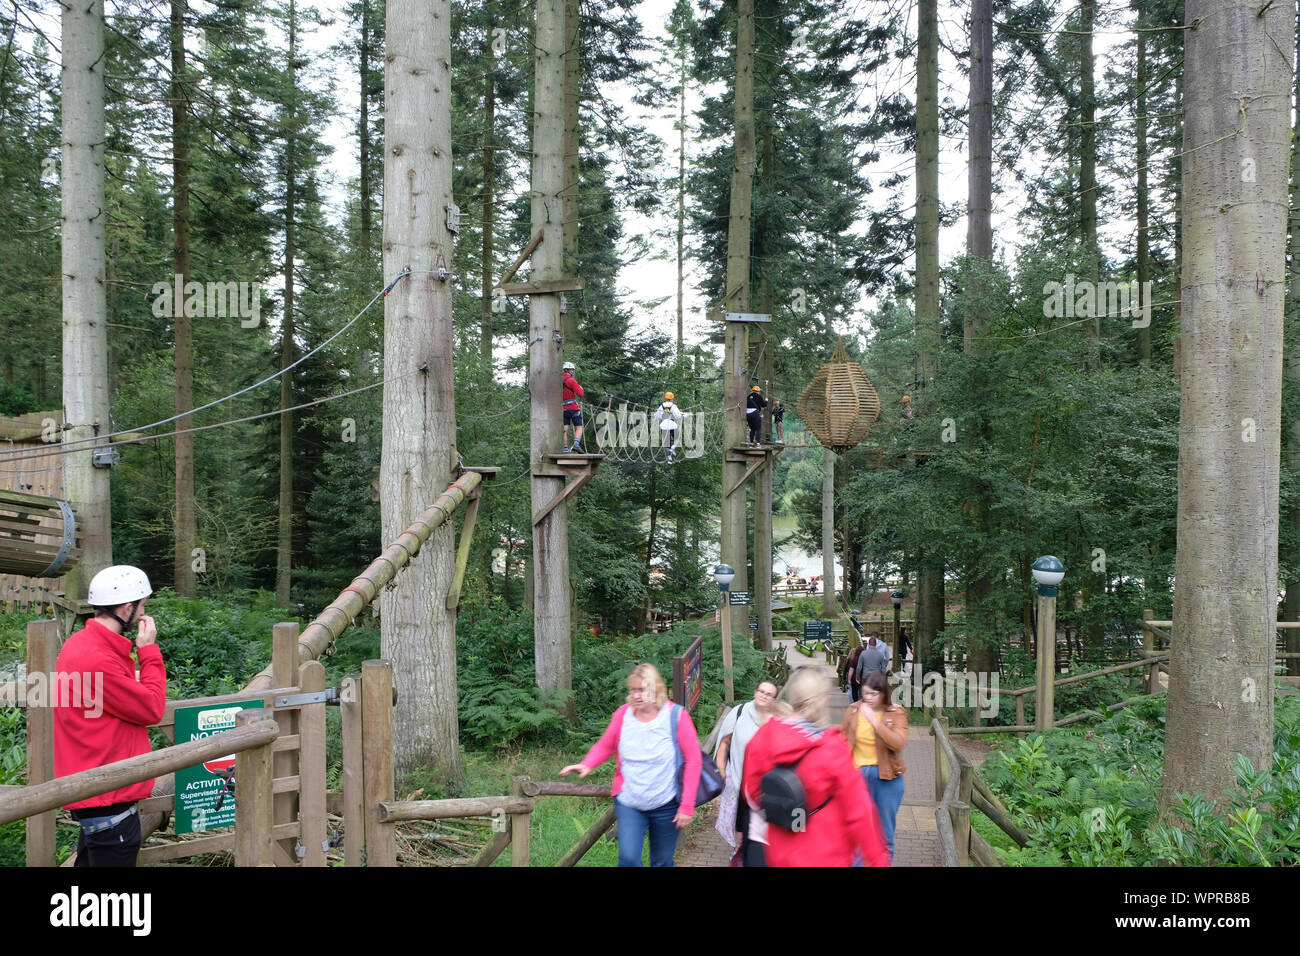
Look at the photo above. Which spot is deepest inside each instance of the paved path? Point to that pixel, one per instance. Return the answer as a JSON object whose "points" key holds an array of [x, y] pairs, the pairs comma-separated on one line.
{"points": [[916, 836]]}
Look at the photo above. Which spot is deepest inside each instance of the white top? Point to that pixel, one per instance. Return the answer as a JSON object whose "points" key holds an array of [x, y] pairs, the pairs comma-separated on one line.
{"points": [[669, 410], [648, 760]]}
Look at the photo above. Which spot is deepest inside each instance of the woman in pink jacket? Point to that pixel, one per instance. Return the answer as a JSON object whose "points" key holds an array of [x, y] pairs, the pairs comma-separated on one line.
{"points": [[647, 792]]}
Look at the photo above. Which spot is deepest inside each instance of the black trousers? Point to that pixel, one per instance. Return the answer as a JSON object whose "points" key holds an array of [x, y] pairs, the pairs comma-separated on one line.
{"points": [[755, 422], [116, 847]]}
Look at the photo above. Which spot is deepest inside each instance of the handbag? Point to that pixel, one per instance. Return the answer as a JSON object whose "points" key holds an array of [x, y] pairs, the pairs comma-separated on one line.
{"points": [[711, 779]]}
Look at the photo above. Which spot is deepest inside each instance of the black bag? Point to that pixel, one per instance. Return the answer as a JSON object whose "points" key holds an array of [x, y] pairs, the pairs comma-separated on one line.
{"points": [[783, 799], [711, 779]]}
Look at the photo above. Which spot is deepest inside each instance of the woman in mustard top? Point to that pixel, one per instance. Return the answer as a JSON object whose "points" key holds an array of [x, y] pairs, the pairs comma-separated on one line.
{"points": [[876, 729]]}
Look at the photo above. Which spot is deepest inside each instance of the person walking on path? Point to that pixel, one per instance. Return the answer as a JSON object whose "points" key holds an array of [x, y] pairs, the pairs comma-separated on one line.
{"points": [[572, 410], [646, 736], [839, 825], [754, 406], [876, 730], [851, 674], [738, 728], [874, 658], [669, 419], [109, 720]]}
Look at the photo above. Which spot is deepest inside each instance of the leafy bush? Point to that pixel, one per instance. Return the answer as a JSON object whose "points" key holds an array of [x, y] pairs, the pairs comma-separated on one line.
{"points": [[1090, 797]]}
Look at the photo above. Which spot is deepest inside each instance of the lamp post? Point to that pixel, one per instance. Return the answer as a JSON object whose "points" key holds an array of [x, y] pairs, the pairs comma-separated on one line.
{"points": [[897, 598], [724, 574], [1048, 572]]}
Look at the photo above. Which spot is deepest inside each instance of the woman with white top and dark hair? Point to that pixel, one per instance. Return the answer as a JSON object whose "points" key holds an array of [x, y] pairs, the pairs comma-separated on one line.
{"points": [[647, 793]]}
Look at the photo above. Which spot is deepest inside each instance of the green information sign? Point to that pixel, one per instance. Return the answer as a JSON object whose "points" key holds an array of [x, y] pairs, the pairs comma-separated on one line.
{"points": [[816, 630], [738, 598], [198, 787]]}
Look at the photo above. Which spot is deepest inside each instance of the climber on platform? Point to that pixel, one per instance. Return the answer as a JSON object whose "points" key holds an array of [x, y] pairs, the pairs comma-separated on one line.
{"points": [[572, 410], [754, 406]]}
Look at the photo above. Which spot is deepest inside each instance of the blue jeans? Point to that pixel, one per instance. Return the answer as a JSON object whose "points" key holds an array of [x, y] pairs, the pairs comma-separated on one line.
{"points": [[887, 795], [632, 827]]}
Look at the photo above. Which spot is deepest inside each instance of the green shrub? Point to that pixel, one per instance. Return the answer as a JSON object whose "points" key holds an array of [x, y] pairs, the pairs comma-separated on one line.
{"points": [[1089, 796]]}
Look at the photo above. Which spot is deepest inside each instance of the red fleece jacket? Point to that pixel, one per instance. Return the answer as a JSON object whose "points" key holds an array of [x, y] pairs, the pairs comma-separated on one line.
{"points": [[84, 737], [846, 831]]}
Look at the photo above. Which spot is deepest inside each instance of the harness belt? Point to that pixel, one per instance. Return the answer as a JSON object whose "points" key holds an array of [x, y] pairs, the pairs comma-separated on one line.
{"points": [[92, 825]]}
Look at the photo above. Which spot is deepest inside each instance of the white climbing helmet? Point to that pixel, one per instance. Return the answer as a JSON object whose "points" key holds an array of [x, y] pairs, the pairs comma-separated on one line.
{"points": [[120, 584], [568, 366]]}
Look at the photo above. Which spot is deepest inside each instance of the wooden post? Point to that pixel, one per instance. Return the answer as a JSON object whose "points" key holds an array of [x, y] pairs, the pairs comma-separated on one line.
{"points": [[1151, 640], [311, 766], [1020, 712], [254, 816], [961, 810], [42, 654], [1044, 703], [728, 668], [519, 823], [940, 763], [354, 816], [284, 673], [588, 839], [377, 759]]}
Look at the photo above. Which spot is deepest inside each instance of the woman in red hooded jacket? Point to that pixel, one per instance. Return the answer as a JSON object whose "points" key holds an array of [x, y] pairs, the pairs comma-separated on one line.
{"points": [[841, 826]]}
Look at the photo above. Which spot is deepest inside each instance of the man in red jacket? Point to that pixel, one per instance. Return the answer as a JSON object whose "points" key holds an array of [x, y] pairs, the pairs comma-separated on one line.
{"points": [[572, 410], [116, 705]]}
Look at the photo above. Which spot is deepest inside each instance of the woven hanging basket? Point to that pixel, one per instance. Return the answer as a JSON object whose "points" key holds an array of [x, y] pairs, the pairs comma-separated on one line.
{"points": [[839, 405]]}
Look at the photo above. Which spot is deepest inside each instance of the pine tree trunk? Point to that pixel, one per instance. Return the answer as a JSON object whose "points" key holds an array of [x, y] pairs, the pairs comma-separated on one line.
{"points": [[185, 530], [85, 340], [981, 654], [1291, 606], [828, 531], [572, 141], [1143, 195], [763, 487], [1088, 163], [419, 458], [1235, 154], [284, 537], [736, 298], [927, 191], [552, 591], [927, 257], [681, 203], [489, 211]]}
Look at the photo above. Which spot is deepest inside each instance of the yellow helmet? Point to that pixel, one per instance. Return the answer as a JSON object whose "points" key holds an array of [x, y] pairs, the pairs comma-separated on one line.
{"points": [[907, 398], [668, 396]]}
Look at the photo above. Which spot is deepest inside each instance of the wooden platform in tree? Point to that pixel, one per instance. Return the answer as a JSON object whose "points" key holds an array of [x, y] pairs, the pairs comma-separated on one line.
{"points": [[578, 467]]}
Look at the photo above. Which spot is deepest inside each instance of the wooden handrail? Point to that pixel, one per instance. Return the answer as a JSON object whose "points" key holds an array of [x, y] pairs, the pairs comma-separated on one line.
{"points": [[76, 787], [948, 799], [402, 810]]}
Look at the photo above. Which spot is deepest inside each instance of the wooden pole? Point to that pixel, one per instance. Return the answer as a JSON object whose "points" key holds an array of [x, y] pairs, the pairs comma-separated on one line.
{"points": [[377, 759], [255, 813], [1044, 705], [588, 839], [519, 824], [354, 805], [42, 653], [400, 810], [284, 672], [311, 766], [961, 810], [727, 665]]}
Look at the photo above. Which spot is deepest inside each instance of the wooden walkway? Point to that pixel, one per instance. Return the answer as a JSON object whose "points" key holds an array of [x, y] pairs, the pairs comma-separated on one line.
{"points": [[916, 835]]}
